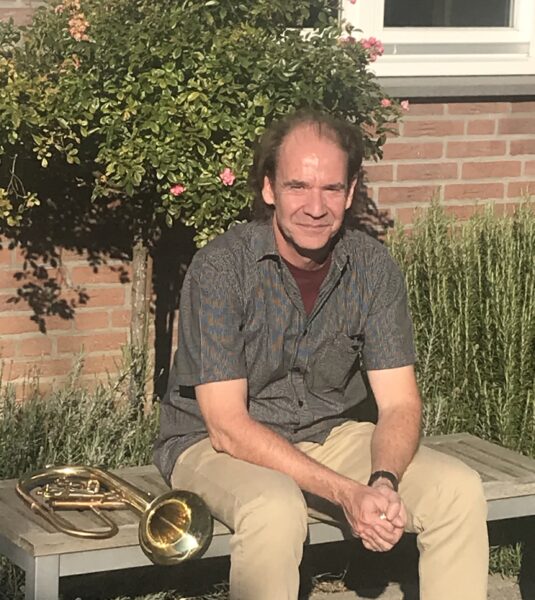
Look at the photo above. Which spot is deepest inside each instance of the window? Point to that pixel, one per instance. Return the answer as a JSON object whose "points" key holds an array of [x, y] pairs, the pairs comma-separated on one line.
{"points": [[448, 13], [449, 37]]}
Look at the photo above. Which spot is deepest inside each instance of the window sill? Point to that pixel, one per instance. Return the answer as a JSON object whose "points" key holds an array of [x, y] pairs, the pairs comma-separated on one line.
{"points": [[460, 87]]}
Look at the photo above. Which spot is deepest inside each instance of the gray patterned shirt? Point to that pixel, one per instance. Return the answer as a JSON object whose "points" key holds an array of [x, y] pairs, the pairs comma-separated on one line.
{"points": [[241, 316]]}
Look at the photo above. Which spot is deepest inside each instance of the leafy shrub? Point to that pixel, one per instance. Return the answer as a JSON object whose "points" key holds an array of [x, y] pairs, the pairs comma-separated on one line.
{"points": [[472, 295], [154, 105]]}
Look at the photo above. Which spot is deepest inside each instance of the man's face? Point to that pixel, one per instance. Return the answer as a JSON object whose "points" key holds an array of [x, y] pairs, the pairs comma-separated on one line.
{"points": [[309, 194]]}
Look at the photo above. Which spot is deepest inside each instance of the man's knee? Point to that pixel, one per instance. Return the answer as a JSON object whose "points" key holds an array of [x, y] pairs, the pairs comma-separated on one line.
{"points": [[279, 508], [459, 492]]}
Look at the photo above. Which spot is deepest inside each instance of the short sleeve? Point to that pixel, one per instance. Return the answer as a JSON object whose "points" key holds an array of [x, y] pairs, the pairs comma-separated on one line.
{"points": [[210, 339], [388, 338]]}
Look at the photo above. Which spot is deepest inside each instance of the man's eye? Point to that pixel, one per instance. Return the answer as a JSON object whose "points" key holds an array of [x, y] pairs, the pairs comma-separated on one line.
{"points": [[297, 186]]}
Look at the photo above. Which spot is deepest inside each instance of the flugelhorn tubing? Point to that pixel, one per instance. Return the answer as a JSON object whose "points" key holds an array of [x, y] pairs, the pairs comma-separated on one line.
{"points": [[173, 526]]}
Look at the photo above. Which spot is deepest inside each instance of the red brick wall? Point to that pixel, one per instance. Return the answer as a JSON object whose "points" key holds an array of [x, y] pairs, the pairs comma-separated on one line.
{"points": [[467, 153], [99, 329]]}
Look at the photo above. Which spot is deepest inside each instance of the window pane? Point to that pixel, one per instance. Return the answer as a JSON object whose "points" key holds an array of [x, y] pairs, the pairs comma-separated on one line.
{"points": [[448, 13]]}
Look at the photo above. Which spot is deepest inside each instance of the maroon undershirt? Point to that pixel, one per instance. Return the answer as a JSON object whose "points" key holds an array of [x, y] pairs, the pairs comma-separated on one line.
{"points": [[309, 282]]}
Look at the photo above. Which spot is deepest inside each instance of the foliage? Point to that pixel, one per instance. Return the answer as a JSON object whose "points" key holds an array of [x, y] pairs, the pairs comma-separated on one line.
{"points": [[472, 296], [74, 425], [153, 106]]}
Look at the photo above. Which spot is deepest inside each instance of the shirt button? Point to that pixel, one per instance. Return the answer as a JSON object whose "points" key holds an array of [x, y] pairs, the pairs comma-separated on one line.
{"points": [[300, 403]]}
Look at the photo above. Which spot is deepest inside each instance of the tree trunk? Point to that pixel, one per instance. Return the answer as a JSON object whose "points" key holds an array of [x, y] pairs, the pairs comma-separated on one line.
{"points": [[139, 321]]}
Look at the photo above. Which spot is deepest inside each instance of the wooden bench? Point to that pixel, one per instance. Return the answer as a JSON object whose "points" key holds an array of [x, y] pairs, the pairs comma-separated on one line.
{"points": [[46, 555]]}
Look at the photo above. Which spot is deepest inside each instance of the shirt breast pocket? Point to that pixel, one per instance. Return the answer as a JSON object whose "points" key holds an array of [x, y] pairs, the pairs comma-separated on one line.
{"points": [[334, 363]]}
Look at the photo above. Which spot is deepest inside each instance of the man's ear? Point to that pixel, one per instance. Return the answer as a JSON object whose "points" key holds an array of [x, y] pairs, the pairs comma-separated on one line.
{"points": [[351, 191], [267, 191]]}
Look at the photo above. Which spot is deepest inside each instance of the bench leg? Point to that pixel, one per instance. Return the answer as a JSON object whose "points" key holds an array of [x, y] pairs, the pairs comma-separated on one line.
{"points": [[42, 579]]}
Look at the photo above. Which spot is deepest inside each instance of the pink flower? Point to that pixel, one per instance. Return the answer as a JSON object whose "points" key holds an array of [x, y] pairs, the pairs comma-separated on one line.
{"points": [[78, 26], [404, 105], [59, 9], [227, 176], [177, 190], [352, 1], [386, 102], [374, 47]]}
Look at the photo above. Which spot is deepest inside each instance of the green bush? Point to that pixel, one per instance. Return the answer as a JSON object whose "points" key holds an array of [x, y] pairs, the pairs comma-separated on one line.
{"points": [[472, 296], [155, 105], [74, 425]]}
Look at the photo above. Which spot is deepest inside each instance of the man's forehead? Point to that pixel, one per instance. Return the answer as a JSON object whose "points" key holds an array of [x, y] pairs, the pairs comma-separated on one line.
{"points": [[307, 145]]}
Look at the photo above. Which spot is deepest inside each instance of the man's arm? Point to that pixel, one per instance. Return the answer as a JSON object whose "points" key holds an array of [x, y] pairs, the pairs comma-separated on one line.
{"points": [[397, 434], [223, 405]]}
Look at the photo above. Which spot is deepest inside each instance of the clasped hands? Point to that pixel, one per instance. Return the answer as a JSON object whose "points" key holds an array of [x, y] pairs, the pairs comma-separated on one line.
{"points": [[376, 514]]}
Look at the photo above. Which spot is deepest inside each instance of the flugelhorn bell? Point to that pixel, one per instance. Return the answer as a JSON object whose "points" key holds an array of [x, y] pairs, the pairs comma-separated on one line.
{"points": [[173, 527]]}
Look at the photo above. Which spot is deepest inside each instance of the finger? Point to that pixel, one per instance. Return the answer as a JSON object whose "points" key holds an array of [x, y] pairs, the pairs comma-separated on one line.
{"points": [[390, 537], [393, 510]]}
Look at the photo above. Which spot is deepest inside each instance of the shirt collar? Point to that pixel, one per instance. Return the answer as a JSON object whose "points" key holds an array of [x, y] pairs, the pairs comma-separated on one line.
{"points": [[263, 245]]}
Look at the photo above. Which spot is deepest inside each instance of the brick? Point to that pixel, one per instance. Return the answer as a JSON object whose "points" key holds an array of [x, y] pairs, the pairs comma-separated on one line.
{"points": [[520, 189], [7, 349], [435, 128], [399, 194], [45, 368], [516, 126], [529, 167], [481, 127], [522, 147], [9, 302], [475, 148], [88, 320], [478, 108], [491, 169], [100, 342], [464, 211], [17, 324], [109, 363], [379, 172], [506, 208], [106, 296], [520, 107], [417, 109], [57, 323], [419, 150], [120, 318], [407, 216], [103, 274], [34, 346], [5, 255], [8, 279], [427, 171], [473, 191]]}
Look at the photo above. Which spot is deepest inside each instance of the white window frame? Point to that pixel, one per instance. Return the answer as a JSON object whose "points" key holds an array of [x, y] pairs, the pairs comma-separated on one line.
{"points": [[442, 51]]}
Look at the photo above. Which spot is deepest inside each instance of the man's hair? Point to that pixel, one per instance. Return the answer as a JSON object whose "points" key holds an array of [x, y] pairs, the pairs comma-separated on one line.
{"points": [[347, 135]]}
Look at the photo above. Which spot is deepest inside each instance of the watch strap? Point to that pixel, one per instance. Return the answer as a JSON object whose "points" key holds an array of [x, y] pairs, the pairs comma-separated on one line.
{"points": [[384, 475]]}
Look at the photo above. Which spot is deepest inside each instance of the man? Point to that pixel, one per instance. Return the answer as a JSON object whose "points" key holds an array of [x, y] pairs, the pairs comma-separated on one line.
{"points": [[277, 319]]}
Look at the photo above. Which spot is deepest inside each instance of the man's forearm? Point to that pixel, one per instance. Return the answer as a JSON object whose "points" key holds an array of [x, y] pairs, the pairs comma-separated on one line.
{"points": [[256, 443], [395, 439]]}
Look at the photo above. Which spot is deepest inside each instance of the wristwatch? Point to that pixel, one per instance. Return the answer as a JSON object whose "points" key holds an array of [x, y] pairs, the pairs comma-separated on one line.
{"points": [[384, 475]]}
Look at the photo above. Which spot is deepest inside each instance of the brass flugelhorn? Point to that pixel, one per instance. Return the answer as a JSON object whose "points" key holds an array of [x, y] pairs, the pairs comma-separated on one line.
{"points": [[173, 527]]}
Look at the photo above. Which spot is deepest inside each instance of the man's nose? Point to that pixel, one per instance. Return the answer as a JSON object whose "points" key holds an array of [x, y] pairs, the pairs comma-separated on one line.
{"points": [[315, 206]]}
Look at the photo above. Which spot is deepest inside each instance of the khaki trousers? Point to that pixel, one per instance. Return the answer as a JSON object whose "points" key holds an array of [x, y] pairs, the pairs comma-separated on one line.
{"points": [[268, 514]]}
